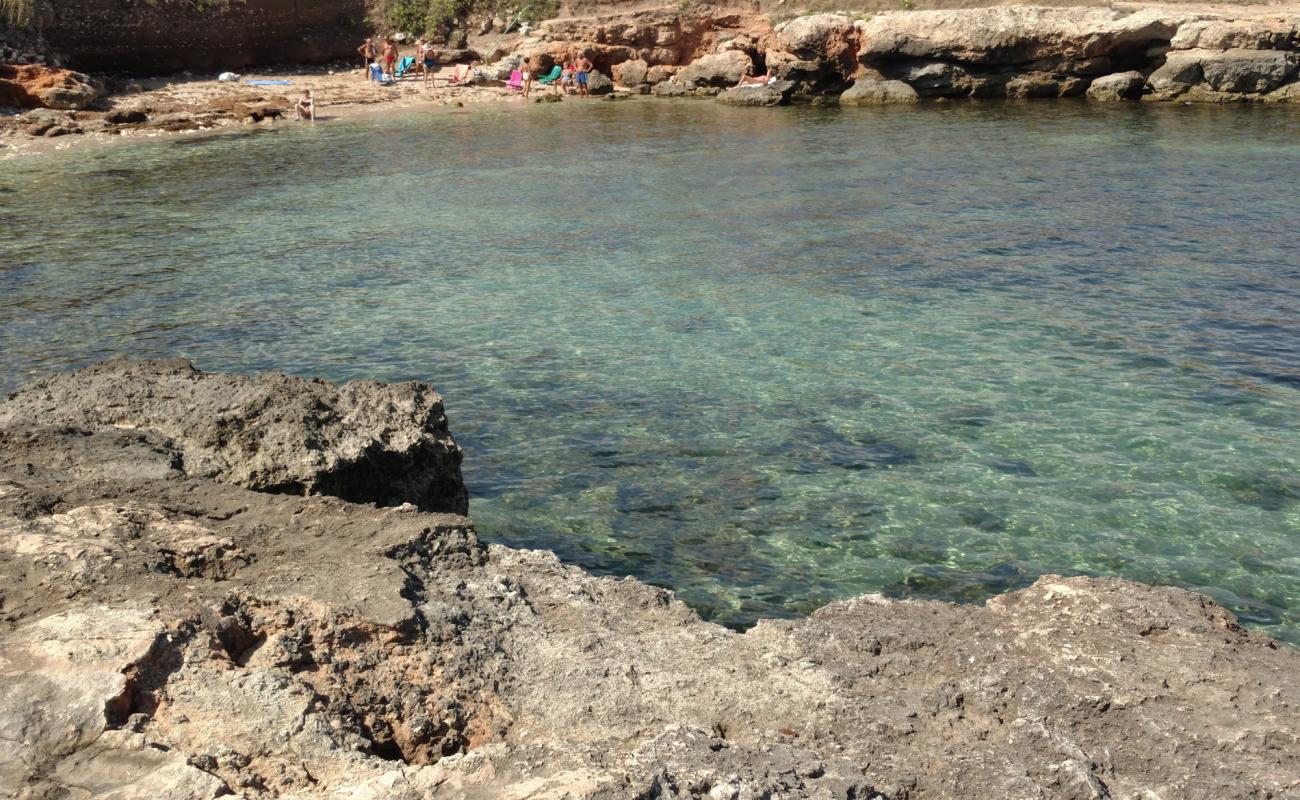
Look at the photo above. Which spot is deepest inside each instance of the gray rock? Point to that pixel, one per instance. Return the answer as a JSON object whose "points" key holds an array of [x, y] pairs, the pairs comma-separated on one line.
{"points": [[76, 91], [1117, 86], [931, 78], [363, 441], [41, 121], [1248, 71], [771, 94], [868, 92], [599, 83], [1035, 85], [126, 116], [1180, 72]]}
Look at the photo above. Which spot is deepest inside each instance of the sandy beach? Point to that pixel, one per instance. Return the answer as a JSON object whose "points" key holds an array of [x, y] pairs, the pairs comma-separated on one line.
{"points": [[182, 104]]}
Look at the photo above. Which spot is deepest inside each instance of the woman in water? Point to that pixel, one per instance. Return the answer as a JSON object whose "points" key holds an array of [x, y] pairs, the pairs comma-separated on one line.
{"points": [[306, 107]]}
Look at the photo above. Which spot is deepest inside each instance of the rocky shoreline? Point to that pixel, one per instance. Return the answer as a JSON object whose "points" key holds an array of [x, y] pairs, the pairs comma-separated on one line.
{"points": [[215, 586], [1155, 54]]}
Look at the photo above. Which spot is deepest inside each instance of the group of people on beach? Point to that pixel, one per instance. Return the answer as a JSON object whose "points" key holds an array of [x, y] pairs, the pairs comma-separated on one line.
{"points": [[572, 77]]}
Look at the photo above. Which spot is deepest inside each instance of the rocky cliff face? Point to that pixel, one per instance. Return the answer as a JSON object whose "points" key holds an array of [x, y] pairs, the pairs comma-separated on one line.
{"points": [[165, 633], [1015, 52], [170, 35]]}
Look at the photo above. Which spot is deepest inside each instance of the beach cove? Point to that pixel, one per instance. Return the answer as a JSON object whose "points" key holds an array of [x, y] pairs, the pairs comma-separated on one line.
{"points": [[931, 434]]}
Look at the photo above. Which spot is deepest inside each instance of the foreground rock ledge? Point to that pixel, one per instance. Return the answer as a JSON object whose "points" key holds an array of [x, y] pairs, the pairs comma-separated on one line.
{"points": [[362, 441], [168, 635]]}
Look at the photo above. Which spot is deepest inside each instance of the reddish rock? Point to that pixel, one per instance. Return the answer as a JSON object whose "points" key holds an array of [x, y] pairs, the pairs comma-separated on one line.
{"points": [[37, 86]]}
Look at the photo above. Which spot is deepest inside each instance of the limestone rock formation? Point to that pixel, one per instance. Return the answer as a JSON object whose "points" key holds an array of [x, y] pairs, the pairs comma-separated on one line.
{"points": [[1249, 71], [830, 40], [1012, 35], [362, 441], [1286, 94], [599, 83], [870, 92], [1117, 86], [720, 70], [165, 635], [631, 73], [770, 94], [1180, 72]]}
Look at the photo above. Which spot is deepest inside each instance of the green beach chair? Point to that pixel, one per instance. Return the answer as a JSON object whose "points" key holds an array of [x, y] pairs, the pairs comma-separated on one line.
{"points": [[551, 77]]}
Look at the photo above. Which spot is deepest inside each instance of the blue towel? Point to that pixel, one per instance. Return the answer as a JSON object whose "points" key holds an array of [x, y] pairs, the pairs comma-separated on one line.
{"points": [[269, 83]]}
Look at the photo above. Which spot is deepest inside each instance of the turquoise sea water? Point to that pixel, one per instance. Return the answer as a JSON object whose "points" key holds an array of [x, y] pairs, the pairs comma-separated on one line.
{"points": [[768, 358]]}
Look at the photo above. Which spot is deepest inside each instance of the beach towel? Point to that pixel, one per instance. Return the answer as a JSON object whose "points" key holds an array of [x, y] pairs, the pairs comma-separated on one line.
{"points": [[404, 65], [269, 83]]}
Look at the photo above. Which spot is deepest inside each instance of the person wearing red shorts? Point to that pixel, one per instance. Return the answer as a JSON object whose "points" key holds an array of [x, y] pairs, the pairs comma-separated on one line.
{"points": [[390, 59]]}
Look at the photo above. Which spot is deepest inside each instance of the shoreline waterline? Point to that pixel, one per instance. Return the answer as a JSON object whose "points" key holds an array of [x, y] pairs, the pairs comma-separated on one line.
{"points": [[954, 347]]}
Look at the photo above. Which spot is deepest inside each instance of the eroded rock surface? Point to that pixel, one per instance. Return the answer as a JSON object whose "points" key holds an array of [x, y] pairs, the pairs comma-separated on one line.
{"points": [[1018, 52], [183, 637], [362, 441]]}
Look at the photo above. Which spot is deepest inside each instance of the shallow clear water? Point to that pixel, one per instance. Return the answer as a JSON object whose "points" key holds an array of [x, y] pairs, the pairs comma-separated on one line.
{"points": [[768, 358]]}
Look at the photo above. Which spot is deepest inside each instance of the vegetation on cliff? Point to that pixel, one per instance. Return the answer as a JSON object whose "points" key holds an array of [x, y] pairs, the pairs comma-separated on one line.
{"points": [[440, 17]]}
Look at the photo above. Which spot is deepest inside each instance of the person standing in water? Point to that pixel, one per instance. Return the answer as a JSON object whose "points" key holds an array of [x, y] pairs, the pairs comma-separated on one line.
{"points": [[368, 53], [306, 107]]}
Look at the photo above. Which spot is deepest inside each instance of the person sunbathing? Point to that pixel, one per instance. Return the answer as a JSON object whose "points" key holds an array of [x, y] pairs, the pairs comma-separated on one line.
{"points": [[755, 80]]}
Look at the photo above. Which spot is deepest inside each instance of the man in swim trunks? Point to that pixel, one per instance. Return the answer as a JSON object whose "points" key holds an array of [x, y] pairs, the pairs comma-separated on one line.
{"points": [[390, 59], [580, 71], [368, 53]]}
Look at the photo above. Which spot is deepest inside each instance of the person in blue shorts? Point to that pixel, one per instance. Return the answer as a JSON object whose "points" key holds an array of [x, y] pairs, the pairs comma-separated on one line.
{"points": [[580, 74]]}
